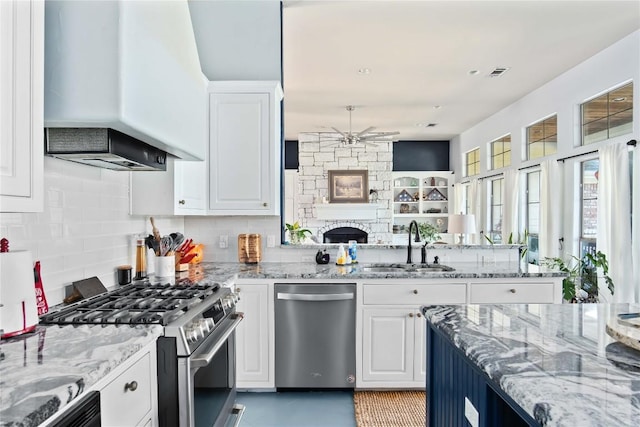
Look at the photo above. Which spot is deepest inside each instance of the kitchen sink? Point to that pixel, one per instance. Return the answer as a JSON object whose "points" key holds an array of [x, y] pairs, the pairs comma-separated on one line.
{"points": [[400, 268]]}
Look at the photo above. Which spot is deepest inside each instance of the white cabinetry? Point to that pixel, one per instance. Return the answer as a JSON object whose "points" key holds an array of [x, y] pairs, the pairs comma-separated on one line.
{"points": [[393, 338], [21, 105], [255, 336], [424, 197], [180, 190], [128, 400], [244, 148]]}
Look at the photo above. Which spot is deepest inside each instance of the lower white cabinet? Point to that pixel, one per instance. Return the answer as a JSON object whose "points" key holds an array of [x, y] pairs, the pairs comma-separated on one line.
{"points": [[393, 331], [391, 346], [255, 337], [129, 399]]}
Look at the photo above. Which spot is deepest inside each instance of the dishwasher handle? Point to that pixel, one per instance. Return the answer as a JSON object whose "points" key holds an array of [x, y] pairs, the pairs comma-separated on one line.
{"points": [[315, 297]]}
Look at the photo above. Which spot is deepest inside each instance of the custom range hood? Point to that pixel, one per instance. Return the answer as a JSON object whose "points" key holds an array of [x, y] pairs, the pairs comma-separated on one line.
{"points": [[104, 148], [123, 84]]}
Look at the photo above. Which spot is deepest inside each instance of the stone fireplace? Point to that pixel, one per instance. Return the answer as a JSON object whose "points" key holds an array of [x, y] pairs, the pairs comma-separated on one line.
{"points": [[316, 159]]}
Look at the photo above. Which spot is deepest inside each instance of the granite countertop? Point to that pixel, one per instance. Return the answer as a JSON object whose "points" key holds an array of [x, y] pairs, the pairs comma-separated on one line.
{"points": [[555, 361], [276, 270], [44, 371]]}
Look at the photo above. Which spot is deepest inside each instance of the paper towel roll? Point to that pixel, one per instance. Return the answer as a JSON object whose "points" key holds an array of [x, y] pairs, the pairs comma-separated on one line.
{"points": [[18, 311]]}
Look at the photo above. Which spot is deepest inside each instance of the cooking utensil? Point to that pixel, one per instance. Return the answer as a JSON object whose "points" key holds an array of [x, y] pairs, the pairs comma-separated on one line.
{"points": [[166, 245], [178, 239], [156, 232]]}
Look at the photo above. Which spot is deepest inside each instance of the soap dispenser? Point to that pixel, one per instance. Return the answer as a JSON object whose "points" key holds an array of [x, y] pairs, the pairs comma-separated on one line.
{"points": [[341, 255]]}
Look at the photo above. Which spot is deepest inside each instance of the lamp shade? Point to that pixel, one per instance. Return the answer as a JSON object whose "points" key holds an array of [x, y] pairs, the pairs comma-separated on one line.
{"points": [[461, 223]]}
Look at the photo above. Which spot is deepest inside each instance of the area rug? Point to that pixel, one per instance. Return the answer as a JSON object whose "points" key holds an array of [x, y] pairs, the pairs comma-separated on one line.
{"points": [[390, 408]]}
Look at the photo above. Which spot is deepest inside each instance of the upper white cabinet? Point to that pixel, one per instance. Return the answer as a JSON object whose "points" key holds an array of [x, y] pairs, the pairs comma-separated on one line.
{"points": [[244, 148], [21, 101], [128, 65], [180, 190]]}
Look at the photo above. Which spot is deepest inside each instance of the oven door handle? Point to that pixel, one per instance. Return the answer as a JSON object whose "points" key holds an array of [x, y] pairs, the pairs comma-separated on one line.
{"points": [[204, 359]]}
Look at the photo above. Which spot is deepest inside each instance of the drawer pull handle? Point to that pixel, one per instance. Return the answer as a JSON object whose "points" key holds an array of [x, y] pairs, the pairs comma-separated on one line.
{"points": [[410, 314], [415, 291], [132, 386], [513, 291], [181, 202]]}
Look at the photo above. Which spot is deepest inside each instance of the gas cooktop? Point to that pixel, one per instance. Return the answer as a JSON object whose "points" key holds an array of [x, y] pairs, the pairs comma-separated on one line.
{"points": [[136, 303]]}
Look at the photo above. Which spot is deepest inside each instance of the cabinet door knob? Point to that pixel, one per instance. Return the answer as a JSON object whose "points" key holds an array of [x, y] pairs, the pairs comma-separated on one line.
{"points": [[181, 202], [132, 386], [419, 315], [513, 291], [265, 204], [415, 291], [237, 289], [410, 314]]}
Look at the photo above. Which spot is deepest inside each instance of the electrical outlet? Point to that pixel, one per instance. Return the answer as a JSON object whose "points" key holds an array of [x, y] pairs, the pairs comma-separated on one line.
{"points": [[471, 413], [271, 241], [224, 241]]}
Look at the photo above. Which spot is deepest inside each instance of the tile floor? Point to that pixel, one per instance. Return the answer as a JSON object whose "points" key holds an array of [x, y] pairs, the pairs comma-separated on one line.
{"points": [[297, 409]]}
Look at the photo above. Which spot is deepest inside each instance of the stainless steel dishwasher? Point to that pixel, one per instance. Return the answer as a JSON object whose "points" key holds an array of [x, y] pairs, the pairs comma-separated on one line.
{"points": [[315, 335]]}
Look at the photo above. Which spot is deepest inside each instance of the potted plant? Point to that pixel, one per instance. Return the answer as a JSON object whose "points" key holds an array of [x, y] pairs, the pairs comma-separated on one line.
{"points": [[428, 232], [296, 233], [582, 283]]}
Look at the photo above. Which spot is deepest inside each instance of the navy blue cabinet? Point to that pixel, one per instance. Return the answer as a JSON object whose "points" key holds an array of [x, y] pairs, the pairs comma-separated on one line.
{"points": [[459, 393]]}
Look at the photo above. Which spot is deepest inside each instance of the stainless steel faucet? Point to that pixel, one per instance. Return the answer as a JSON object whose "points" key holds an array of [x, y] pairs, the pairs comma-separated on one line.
{"points": [[417, 239]]}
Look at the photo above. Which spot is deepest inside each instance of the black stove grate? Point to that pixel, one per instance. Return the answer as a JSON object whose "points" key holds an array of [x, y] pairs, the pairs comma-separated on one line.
{"points": [[136, 303]]}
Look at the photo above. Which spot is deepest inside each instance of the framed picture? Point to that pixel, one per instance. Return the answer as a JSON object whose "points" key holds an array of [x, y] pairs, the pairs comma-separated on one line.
{"points": [[348, 186]]}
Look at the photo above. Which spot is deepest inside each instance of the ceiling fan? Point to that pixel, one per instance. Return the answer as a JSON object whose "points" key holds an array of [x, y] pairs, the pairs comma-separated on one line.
{"points": [[366, 136]]}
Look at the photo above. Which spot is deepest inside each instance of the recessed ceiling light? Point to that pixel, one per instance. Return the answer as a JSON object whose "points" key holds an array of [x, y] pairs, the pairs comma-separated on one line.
{"points": [[364, 71], [473, 72], [426, 125]]}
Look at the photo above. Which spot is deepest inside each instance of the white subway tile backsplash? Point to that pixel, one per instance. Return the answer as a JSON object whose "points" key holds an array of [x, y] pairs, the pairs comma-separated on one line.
{"points": [[85, 229]]}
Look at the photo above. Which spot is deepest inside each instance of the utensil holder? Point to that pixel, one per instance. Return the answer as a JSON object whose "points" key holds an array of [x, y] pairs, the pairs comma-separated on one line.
{"points": [[165, 266]]}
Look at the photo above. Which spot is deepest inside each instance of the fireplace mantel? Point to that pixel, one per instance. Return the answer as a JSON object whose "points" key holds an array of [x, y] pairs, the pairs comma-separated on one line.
{"points": [[340, 211]]}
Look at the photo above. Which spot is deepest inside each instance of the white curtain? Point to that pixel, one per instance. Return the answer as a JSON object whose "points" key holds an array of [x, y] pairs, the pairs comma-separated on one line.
{"points": [[550, 209], [614, 222], [635, 226], [475, 204], [510, 192], [458, 196]]}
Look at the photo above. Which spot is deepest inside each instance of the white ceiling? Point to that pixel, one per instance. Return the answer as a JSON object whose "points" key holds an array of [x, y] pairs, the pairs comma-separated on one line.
{"points": [[420, 54]]}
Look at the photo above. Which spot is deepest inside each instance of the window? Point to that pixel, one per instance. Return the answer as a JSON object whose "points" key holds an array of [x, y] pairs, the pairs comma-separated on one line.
{"points": [[542, 138], [472, 162], [532, 221], [589, 206], [608, 115], [501, 152], [495, 232]]}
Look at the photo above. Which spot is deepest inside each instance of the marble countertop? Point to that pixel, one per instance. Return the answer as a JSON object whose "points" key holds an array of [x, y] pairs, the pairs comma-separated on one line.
{"points": [[277, 270], [43, 372], [556, 361]]}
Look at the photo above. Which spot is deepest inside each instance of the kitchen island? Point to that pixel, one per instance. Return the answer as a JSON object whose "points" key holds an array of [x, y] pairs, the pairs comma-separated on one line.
{"points": [[530, 365]]}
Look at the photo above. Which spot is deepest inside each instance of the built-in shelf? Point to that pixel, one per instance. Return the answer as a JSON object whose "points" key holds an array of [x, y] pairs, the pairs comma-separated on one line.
{"points": [[338, 211]]}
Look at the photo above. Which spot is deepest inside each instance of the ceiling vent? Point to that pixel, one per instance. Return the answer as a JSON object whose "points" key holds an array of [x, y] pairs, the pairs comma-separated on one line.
{"points": [[498, 71]]}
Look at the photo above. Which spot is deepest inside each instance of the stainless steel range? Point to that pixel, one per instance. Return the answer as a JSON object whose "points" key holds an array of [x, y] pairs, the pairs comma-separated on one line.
{"points": [[196, 356]]}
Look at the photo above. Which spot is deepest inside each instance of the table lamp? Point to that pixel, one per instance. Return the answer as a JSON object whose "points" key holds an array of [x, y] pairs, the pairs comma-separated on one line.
{"points": [[462, 224]]}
